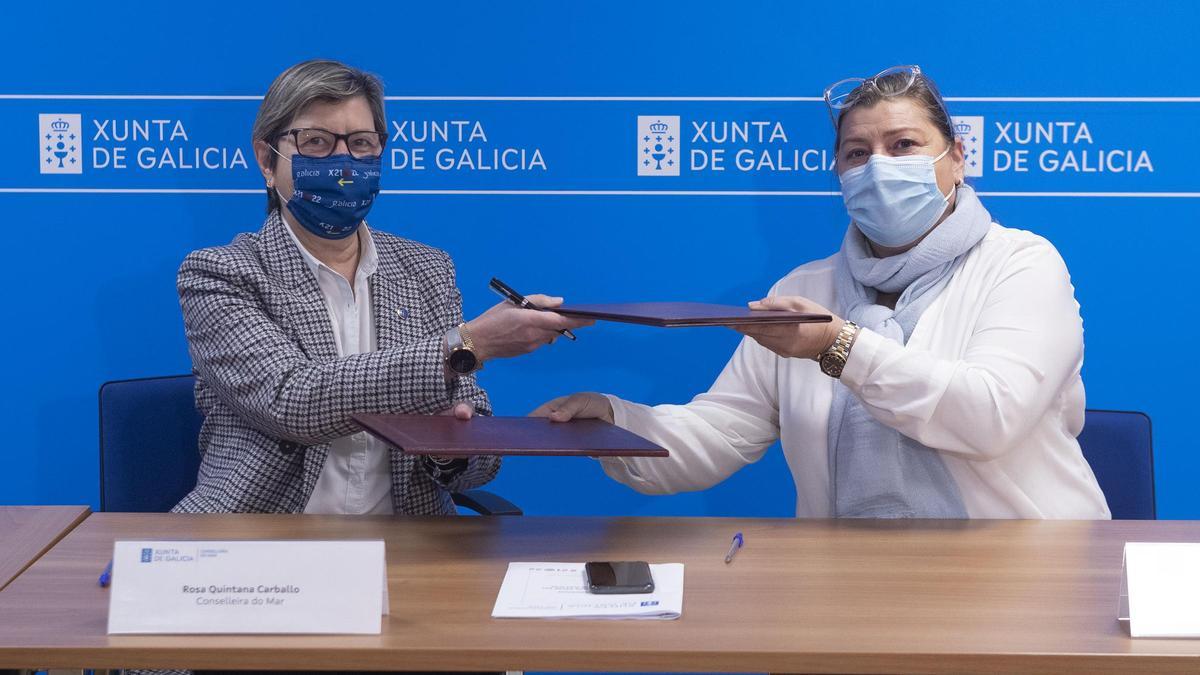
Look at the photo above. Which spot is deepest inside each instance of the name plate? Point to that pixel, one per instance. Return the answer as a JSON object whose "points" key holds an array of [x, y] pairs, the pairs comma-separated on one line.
{"points": [[330, 587], [1160, 590]]}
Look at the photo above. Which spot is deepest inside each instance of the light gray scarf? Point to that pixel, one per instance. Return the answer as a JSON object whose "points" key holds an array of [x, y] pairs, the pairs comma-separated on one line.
{"points": [[874, 470]]}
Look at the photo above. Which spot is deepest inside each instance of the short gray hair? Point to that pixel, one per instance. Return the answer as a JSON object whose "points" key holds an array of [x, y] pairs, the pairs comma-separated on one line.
{"points": [[301, 85]]}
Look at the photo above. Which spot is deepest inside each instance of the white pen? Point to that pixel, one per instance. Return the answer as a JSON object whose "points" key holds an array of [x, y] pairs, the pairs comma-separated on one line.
{"points": [[738, 543]]}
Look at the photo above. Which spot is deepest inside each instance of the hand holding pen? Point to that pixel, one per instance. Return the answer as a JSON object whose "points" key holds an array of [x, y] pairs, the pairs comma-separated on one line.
{"points": [[510, 294], [513, 327]]}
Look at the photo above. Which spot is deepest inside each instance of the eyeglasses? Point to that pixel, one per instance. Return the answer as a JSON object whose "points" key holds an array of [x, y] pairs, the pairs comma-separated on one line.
{"points": [[844, 93], [317, 143]]}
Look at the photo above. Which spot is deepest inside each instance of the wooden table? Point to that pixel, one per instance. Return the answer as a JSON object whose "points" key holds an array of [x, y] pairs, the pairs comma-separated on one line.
{"points": [[803, 596], [26, 532]]}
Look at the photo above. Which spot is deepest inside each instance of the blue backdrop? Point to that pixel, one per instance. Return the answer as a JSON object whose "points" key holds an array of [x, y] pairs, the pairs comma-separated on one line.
{"points": [[519, 145]]}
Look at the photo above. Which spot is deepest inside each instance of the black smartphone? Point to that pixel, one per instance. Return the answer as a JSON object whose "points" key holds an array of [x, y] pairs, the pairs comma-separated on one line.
{"points": [[619, 577]]}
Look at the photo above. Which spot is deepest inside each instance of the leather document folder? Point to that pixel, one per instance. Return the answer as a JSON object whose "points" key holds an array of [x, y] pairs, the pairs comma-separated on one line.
{"points": [[682, 314], [484, 435]]}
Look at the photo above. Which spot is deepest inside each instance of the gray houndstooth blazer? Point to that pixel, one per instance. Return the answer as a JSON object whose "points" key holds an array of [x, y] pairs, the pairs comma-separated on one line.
{"points": [[273, 390]]}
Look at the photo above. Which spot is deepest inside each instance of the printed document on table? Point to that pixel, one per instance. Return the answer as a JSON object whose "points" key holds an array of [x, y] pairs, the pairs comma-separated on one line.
{"points": [[553, 590]]}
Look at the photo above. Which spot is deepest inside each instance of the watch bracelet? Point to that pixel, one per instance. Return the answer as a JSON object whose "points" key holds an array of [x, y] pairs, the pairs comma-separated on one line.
{"points": [[845, 339]]}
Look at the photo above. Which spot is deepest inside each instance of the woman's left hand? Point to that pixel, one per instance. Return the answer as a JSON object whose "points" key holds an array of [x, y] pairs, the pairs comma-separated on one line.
{"points": [[463, 410], [796, 340]]}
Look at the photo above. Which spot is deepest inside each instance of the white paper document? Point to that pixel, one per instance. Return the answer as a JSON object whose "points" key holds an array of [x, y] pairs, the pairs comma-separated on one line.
{"points": [[1163, 585], [555, 590], [311, 587]]}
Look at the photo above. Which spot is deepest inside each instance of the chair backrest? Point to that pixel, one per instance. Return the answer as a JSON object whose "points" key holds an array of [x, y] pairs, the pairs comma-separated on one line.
{"points": [[150, 449], [1118, 445], [149, 453]]}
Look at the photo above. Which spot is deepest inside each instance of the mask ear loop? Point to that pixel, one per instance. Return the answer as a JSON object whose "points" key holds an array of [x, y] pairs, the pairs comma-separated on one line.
{"points": [[283, 200], [953, 188]]}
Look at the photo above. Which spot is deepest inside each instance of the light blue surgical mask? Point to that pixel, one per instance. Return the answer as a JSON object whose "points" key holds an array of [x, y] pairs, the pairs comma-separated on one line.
{"points": [[894, 200]]}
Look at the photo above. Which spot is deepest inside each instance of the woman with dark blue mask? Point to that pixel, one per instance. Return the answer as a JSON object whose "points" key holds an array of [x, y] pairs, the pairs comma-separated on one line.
{"points": [[948, 384], [316, 316]]}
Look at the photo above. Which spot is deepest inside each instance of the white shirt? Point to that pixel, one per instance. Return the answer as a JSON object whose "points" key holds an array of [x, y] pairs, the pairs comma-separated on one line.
{"points": [[357, 475], [990, 377]]}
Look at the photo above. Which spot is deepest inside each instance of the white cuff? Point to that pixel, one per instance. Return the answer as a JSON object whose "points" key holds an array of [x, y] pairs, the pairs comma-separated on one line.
{"points": [[620, 417], [861, 358], [615, 466]]}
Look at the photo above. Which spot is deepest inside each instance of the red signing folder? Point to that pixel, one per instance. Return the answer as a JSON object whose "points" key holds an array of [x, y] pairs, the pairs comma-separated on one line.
{"points": [[682, 314], [447, 436]]}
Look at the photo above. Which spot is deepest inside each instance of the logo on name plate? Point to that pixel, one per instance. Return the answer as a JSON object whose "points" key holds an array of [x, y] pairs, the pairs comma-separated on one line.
{"points": [[970, 130], [147, 555], [60, 137], [658, 145]]}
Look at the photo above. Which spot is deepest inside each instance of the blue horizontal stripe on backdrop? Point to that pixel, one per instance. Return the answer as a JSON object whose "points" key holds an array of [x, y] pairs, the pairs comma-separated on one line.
{"points": [[740, 146], [663, 48]]}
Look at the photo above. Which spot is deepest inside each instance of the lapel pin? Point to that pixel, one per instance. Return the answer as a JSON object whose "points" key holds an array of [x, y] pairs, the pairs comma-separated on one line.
{"points": [[403, 312]]}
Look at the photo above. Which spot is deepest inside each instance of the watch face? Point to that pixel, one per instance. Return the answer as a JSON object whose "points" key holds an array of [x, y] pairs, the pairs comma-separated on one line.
{"points": [[462, 361], [832, 365]]}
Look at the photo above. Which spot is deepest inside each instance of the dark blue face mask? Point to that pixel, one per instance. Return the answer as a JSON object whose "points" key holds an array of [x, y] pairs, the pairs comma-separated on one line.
{"points": [[331, 195]]}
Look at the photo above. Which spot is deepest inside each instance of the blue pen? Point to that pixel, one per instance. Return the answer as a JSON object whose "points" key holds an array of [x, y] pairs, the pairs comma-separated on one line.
{"points": [[738, 543], [106, 575]]}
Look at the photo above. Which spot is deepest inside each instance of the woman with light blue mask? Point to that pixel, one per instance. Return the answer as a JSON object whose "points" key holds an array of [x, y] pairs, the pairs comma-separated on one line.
{"points": [[948, 384]]}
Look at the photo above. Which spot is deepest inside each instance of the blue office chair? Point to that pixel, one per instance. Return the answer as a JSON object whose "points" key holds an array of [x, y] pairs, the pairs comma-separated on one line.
{"points": [[149, 454], [1118, 444]]}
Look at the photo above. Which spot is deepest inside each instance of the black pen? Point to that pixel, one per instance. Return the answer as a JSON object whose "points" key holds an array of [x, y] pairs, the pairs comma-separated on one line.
{"points": [[508, 293]]}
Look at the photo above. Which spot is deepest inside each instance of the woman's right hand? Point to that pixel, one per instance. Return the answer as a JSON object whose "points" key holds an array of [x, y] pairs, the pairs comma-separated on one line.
{"points": [[506, 330], [584, 405]]}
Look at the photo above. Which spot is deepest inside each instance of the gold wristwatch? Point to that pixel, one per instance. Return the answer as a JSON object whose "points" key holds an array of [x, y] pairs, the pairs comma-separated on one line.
{"points": [[833, 361], [461, 358]]}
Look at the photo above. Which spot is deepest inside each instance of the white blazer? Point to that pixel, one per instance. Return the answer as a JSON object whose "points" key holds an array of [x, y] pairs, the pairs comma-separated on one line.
{"points": [[989, 377]]}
